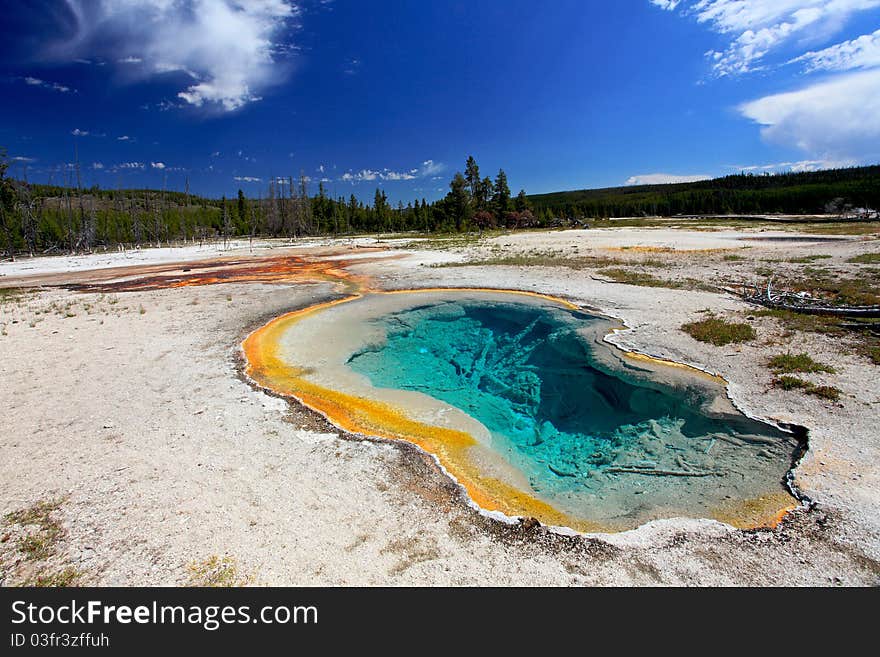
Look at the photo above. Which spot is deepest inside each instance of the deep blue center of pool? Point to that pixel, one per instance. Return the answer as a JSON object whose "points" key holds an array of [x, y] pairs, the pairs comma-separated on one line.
{"points": [[531, 375]]}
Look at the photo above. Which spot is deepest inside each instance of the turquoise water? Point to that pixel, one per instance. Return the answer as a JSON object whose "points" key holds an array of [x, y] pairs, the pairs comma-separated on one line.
{"points": [[581, 429]]}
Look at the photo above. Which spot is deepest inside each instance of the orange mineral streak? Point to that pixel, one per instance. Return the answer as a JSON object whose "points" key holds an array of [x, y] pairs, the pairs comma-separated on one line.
{"points": [[452, 448], [277, 269], [766, 511]]}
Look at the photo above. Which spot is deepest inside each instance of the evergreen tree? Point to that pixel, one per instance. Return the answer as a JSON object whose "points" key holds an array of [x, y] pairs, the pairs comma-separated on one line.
{"points": [[485, 193], [380, 208], [472, 175], [501, 197], [242, 206], [7, 203], [458, 202], [521, 204]]}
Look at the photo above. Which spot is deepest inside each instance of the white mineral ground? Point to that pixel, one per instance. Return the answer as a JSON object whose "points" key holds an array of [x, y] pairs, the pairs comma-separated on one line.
{"points": [[131, 407]]}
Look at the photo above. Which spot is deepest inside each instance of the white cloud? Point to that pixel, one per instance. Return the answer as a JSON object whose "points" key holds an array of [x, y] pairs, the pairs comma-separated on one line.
{"points": [[97, 165], [758, 27], [836, 119], [230, 48], [664, 178], [427, 168], [397, 175], [157, 165], [123, 138], [76, 132], [430, 168], [669, 5], [863, 52], [249, 179], [360, 176], [798, 167], [43, 84], [129, 165]]}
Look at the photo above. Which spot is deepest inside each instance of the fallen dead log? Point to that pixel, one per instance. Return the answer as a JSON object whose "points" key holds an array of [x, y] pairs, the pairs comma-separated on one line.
{"points": [[803, 303]]}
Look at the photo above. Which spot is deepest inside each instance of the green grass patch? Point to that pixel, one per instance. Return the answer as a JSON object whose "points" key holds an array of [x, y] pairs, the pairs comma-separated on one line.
{"points": [[69, 576], [865, 259], [825, 392], [787, 363], [808, 259], [838, 228], [539, 260], [787, 382], [643, 279], [41, 543], [719, 332], [12, 294], [216, 571], [829, 393], [36, 514], [802, 321]]}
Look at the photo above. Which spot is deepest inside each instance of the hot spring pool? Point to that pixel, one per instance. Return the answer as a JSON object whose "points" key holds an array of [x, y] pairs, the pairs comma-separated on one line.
{"points": [[521, 402]]}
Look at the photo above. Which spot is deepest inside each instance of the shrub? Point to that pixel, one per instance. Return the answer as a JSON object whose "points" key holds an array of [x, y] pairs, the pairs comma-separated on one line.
{"points": [[719, 332], [784, 363]]}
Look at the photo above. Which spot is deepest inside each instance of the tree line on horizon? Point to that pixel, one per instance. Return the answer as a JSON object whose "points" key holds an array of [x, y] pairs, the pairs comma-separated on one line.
{"points": [[39, 218], [828, 191], [45, 218]]}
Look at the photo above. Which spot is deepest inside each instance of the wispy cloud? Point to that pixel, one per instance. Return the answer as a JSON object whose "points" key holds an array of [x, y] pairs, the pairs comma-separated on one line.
{"points": [[863, 52], [123, 138], [247, 179], [157, 165], [756, 28], [664, 178], [797, 167], [427, 168], [836, 119], [228, 50], [430, 168], [128, 165], [76, 132], [44, 84]]}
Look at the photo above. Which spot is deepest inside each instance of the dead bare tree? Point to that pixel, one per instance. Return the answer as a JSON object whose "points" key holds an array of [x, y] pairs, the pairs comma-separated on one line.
{"points": [[137, 226], [28, 212], [86, 225], [70, 230], [306, 204]]}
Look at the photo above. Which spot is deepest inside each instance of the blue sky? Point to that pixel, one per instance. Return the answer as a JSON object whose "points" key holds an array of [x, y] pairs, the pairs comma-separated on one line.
{"points": [[565, 94]]}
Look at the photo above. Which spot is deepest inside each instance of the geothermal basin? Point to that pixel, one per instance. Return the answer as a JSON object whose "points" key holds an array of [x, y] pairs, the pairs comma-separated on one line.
{"points": [[521, 401]]}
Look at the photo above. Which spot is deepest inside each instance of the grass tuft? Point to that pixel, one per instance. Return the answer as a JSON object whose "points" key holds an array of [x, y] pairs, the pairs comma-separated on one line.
{"points": [[215, 571], [865, 259], [40, 544], [70, 576], [786, 382], [787, 363], [719, 332]]}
